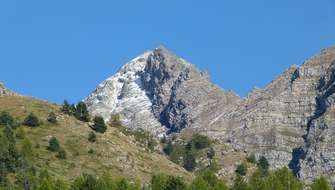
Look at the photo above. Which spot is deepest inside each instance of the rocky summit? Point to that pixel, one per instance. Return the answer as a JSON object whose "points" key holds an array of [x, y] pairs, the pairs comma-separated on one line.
{"points": [[291, 122]]}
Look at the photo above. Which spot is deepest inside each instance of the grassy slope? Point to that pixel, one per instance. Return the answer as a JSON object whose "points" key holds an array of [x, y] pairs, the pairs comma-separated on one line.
{"points": [[114, 153]]}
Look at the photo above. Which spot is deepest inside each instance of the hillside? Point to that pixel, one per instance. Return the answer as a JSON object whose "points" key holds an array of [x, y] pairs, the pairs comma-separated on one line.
{"points": [[114, 153]]}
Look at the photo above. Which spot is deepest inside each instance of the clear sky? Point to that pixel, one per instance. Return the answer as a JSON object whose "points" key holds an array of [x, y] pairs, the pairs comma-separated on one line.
{"points": [[62, 49]]}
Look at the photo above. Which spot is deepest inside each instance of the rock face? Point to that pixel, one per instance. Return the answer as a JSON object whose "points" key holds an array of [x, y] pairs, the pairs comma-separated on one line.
{"points": [[161, 93], [291, 122], [4, 91]]}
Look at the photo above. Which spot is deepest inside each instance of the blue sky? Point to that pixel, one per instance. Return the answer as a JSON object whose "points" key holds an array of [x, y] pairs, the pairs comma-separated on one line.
{"points": [[62, 49]]}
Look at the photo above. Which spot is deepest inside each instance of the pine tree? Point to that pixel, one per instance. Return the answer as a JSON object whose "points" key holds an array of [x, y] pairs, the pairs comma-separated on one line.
{"points": [[189, 161], [31, 120], [99, 124], [53, 145], [66, 108], [82, 112], [242, 169], [263, 165], [168, 148]]}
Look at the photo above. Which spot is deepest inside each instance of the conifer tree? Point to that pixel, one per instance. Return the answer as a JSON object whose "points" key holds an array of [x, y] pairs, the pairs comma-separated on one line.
{"points": [[99, 124]]}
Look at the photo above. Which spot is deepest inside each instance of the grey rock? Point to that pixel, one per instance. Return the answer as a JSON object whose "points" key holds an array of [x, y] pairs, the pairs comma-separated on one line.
{"points": [[290, 122]]}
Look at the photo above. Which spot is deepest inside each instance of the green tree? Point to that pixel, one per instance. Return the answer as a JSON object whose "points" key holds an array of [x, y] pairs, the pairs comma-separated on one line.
{"points": [[9, 153], [6, 119], [52, 118], [31, 120], [242, 169], [82, 112], [168, 148], [92, 137], [53, 145], [99, 124], [321, 184], [66, 108], [163, 182], [263, 164], [189, 161]]}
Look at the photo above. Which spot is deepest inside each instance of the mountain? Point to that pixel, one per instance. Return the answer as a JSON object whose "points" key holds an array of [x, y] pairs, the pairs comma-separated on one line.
{"points": [[290, 122], [161, 93]]}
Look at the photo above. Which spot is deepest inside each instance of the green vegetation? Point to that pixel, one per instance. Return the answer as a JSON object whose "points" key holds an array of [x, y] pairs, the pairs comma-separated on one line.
{"points": [[186, 153], [79, 111], [280, 179], [54, 145], [31, 120], [113, 153], [99, 124], [82, 112], [6, 119], [321, 184], [242, 169], [143, 138], [263, 165], [92, 137]]}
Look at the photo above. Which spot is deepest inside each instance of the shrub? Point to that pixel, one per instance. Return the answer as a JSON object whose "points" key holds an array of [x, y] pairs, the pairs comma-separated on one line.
{"points": [[31, 120], [20, 133], [6, 119], [263, 164], [241, 169], [52, 118], [54, 145], [164, 182], [321, 183], [91, 151], [189, 162], [61, 154], [92, 137], [200, 141], [99, 124]]}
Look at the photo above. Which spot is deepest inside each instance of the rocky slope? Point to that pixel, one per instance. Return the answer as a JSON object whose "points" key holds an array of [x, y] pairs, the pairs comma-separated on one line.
{"points": [[290, 121]]}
